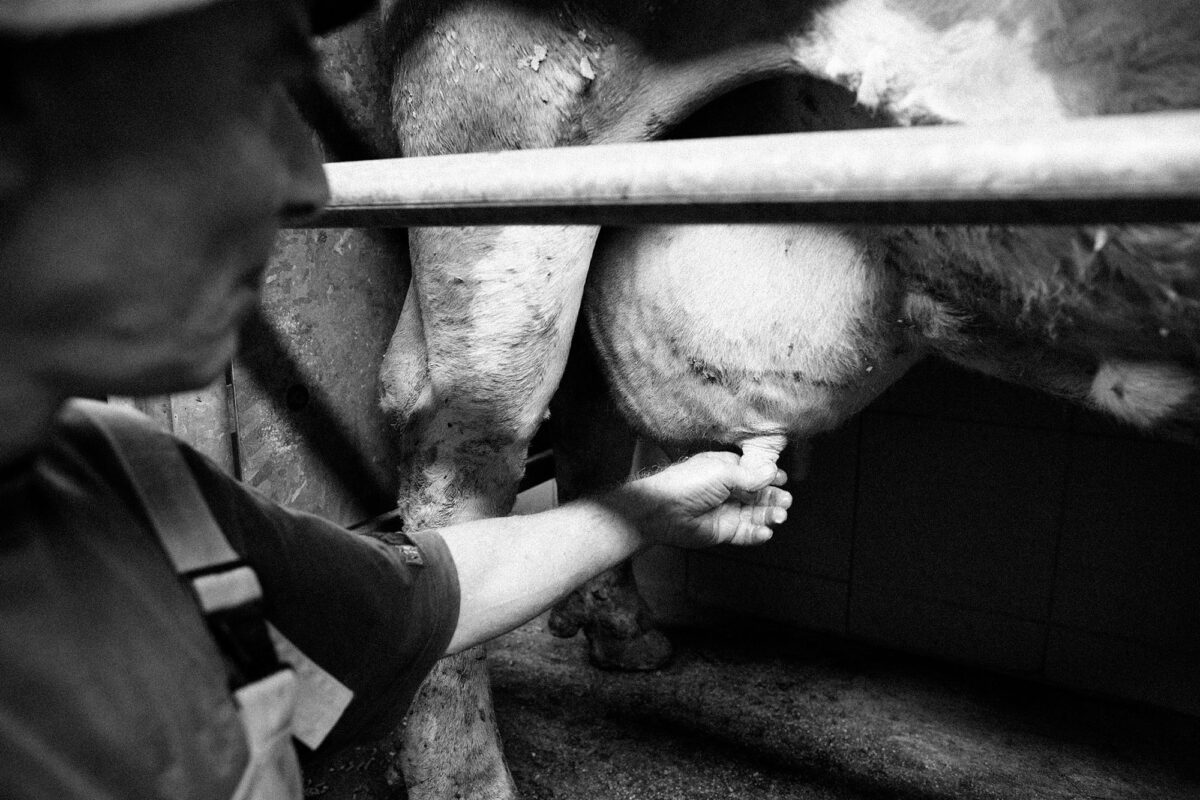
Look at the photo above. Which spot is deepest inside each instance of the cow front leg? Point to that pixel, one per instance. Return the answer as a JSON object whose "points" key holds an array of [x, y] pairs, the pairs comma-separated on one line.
{"points": [[480, 348], [593, 450]]}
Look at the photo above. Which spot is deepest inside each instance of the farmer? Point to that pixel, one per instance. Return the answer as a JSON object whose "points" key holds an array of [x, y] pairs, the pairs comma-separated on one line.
{"points": [[148, 152]]}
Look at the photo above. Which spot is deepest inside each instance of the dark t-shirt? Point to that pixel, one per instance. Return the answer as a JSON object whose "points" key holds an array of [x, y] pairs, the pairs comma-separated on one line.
{"points": [[110, 686]]}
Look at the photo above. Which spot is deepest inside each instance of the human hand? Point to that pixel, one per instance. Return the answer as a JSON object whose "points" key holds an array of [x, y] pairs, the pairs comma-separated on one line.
{"points": [[711, 498]]}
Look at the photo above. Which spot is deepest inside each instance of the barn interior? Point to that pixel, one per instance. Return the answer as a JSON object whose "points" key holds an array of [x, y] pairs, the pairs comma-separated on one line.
{"points": [[881, 645], [900, 638], [971, 518], [982, 592]]}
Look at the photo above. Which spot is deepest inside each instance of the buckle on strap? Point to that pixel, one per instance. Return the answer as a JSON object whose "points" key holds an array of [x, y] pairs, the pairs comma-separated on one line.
{"points": [[235, 586], [233, 608]]}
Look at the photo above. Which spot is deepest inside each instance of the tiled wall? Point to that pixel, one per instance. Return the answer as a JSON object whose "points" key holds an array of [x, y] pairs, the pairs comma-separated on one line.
{"points": [[970, 519]]}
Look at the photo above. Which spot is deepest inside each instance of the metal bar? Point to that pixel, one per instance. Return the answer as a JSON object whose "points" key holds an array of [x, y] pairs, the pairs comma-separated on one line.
{"points": [[1138, 168]]}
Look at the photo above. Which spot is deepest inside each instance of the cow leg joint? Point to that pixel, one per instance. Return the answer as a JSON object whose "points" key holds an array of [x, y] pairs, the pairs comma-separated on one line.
{"points": [[616, 621]]}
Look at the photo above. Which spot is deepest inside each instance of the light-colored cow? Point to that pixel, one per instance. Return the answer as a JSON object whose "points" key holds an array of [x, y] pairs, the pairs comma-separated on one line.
{"points": [[815, 321]]}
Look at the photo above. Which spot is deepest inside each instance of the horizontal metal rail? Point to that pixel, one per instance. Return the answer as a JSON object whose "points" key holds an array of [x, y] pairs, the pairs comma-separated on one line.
{"points": [[1138, 168]]}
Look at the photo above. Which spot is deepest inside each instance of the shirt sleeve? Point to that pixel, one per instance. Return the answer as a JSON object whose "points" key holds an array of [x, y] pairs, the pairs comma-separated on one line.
{"points": [[374, 616]]}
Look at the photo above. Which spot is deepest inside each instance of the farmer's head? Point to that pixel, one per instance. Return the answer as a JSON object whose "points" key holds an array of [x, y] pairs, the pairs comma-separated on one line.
{"points": [[148, 153]]}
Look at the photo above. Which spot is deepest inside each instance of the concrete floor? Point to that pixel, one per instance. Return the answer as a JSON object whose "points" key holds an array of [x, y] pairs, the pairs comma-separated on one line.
{"points": [[763, 713]]}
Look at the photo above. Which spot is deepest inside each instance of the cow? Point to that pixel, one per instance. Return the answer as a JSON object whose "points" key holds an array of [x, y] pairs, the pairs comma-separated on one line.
{"points": [[1105, 315]]}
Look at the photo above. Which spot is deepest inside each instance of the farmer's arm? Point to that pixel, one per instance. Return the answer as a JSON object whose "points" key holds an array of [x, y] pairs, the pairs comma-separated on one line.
{"points": [[512, 569]]}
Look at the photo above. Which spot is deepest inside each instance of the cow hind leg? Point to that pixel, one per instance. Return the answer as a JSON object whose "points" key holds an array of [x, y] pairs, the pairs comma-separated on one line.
{"points": [[593, 449], [449, 743]]}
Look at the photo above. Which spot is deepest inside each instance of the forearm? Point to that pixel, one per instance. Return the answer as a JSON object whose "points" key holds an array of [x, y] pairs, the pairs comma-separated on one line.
{"points": [[514, 568]]}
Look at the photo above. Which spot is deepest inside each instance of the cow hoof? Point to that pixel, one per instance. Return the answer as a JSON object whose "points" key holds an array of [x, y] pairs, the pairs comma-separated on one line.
{"points": [[563, 623], [646, 651]]}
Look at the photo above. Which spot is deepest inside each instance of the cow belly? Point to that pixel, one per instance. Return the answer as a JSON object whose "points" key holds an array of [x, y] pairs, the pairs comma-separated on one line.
{"points": [[720, 333]]}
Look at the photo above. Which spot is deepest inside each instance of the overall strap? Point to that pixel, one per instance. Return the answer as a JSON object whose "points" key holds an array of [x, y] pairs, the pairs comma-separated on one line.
{"points": [[165, 486], [225, 588]]}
